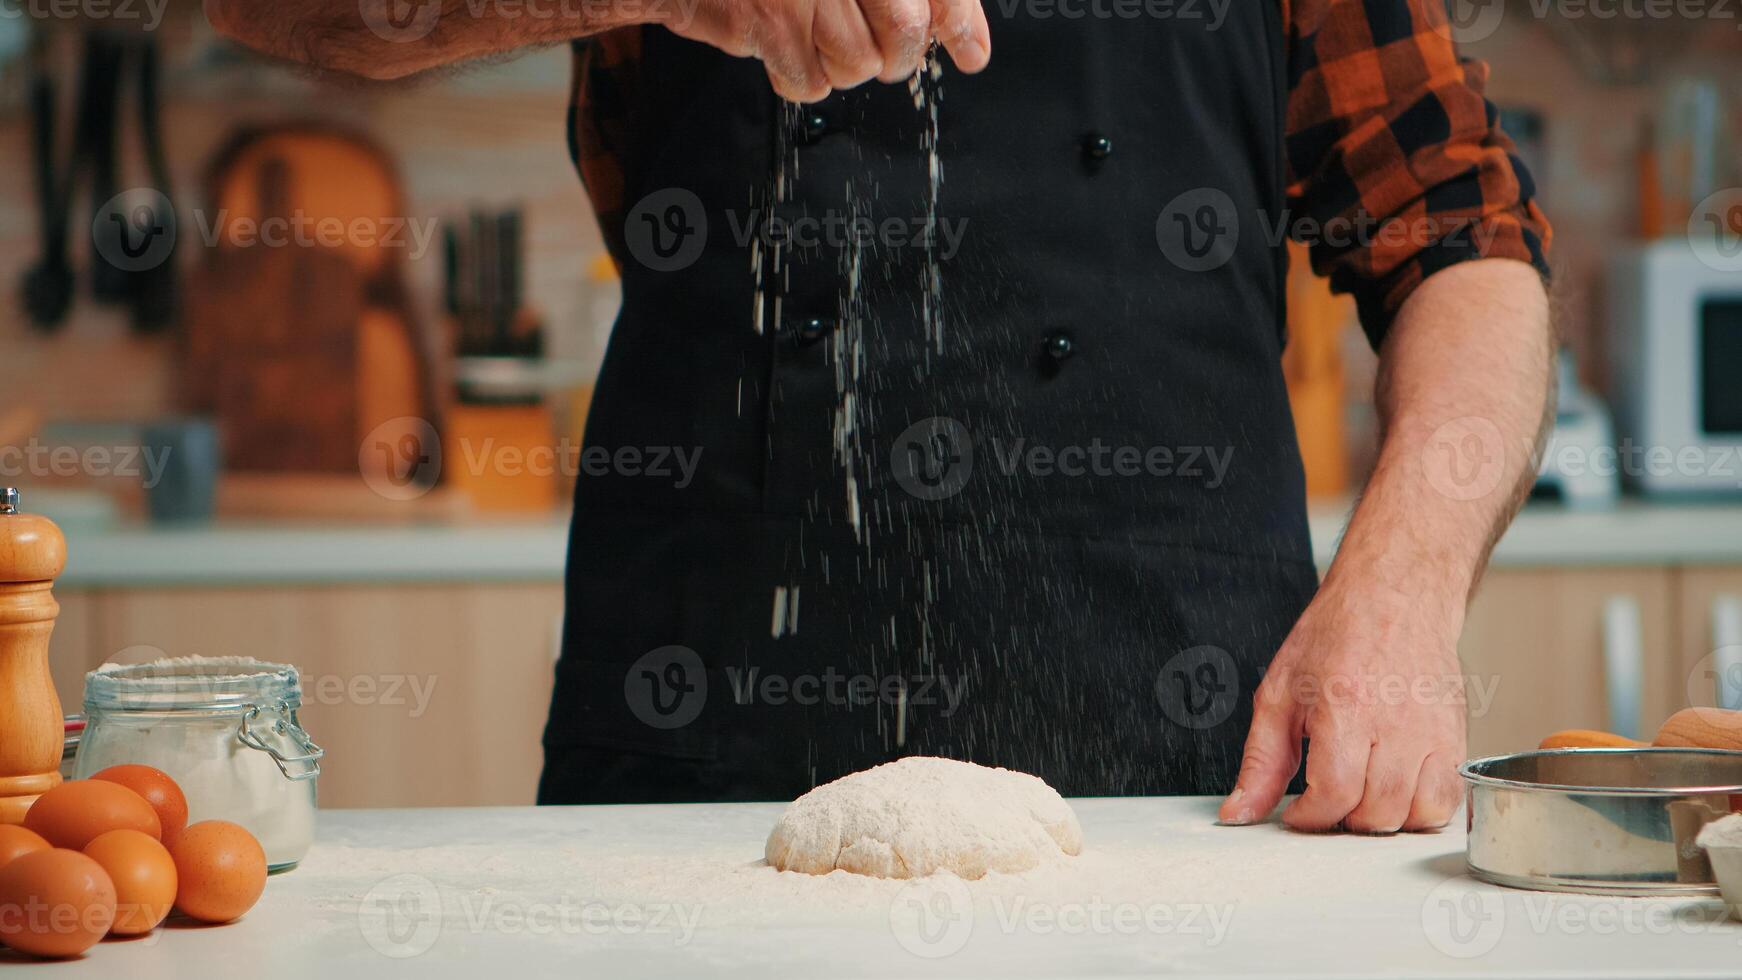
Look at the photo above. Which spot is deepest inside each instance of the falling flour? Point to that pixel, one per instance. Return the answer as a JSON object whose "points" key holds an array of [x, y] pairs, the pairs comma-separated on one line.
{"points": [[918, 816]]}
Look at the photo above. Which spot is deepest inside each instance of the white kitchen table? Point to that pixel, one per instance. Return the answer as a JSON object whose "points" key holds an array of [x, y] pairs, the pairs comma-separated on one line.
{"points": [[681, 891]]}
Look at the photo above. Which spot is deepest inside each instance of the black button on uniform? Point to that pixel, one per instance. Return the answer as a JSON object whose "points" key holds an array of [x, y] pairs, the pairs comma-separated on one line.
{"points": [[1059, 345], [814, 127], [1097, 146], [812, 330]]}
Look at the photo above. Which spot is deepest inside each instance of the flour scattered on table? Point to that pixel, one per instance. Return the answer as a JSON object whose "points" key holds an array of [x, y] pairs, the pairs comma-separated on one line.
{"points": [[918, 816]]}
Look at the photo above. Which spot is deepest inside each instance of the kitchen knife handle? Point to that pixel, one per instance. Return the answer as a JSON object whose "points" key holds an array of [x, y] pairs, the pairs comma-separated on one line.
{"points": [[1727, 652], [1623, 663]]}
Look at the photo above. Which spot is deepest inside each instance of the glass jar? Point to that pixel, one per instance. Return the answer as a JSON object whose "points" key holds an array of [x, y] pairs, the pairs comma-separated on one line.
{"points": [[225, 729]]}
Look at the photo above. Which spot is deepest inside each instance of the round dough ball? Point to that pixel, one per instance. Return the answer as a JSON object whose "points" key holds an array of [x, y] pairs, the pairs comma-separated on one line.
{"points": [[917, 816]]}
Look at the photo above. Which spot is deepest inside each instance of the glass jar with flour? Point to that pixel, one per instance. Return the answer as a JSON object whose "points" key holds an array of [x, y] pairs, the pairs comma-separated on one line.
{"points": [[225, 729]]}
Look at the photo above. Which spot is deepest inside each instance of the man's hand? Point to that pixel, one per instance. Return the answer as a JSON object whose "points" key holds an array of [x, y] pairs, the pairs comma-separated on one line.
{"points": [[1370, 673], [810, 47]]}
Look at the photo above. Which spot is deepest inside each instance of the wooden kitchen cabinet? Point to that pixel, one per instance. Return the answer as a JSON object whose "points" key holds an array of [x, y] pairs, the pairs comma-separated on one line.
{"points": [[70, 646], [422, 695], [1534, 651]]}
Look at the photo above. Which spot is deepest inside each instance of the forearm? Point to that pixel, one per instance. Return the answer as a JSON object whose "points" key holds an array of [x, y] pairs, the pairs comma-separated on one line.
{"points": [[1464, 396], [386, 39]]}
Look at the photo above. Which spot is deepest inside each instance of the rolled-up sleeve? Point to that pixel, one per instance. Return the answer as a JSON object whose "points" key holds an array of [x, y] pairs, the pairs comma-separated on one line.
{"points": [[1397, 165]]}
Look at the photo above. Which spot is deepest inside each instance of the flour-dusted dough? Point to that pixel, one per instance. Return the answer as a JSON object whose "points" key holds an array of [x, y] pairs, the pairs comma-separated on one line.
{"points": [[915, 816]]}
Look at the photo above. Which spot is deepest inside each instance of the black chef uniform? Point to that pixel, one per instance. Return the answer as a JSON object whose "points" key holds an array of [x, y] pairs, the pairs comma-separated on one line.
{"points": [[957, 500]]}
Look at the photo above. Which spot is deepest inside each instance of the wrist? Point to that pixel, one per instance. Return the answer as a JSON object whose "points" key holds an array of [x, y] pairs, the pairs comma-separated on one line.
{"points": [[1385, 562]]}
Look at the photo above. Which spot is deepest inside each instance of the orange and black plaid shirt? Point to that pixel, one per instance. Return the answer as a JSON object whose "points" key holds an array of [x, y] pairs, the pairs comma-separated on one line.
{"points": [[1388, 130]]}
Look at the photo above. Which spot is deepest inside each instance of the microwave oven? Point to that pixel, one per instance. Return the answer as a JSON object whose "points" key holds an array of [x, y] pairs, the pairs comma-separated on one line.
{"points": [[1675, 319]]}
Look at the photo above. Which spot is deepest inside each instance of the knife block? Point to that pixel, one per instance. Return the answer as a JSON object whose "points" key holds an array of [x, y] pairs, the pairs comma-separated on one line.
{"points": [[32, 731]]}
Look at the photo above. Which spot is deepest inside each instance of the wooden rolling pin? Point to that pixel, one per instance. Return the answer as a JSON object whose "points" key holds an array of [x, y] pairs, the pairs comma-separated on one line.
{"points": [[1699, 728]]}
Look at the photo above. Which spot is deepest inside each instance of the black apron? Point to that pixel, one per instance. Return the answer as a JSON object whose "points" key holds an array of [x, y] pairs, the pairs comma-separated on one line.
{"points": [[1047, 515]]}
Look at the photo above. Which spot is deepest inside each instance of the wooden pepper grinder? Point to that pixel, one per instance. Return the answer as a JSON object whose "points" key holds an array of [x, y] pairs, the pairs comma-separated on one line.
{"points": [[32, 731]]}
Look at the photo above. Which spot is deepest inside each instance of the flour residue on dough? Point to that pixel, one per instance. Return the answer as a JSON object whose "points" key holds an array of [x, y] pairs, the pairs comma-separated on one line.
{"points": [[920, 815]]}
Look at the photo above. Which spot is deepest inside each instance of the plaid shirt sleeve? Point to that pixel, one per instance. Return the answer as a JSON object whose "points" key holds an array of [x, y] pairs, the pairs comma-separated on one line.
{"points": [[1389, 134], [602, 125]]}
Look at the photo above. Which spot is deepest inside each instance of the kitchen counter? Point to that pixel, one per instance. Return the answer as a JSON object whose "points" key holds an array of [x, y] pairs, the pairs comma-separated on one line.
{"points": [[534, 549], [681, 891]]}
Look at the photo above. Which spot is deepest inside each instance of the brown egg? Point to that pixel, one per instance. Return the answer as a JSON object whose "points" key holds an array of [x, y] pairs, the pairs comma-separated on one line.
{"points": [[222, 870], [55, 903], [73, 814], [158, 790], [144, 877], [16, 842]]}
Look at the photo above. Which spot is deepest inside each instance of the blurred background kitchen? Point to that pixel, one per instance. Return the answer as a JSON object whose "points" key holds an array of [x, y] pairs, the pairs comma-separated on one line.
{"points": [[353, 450]]}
